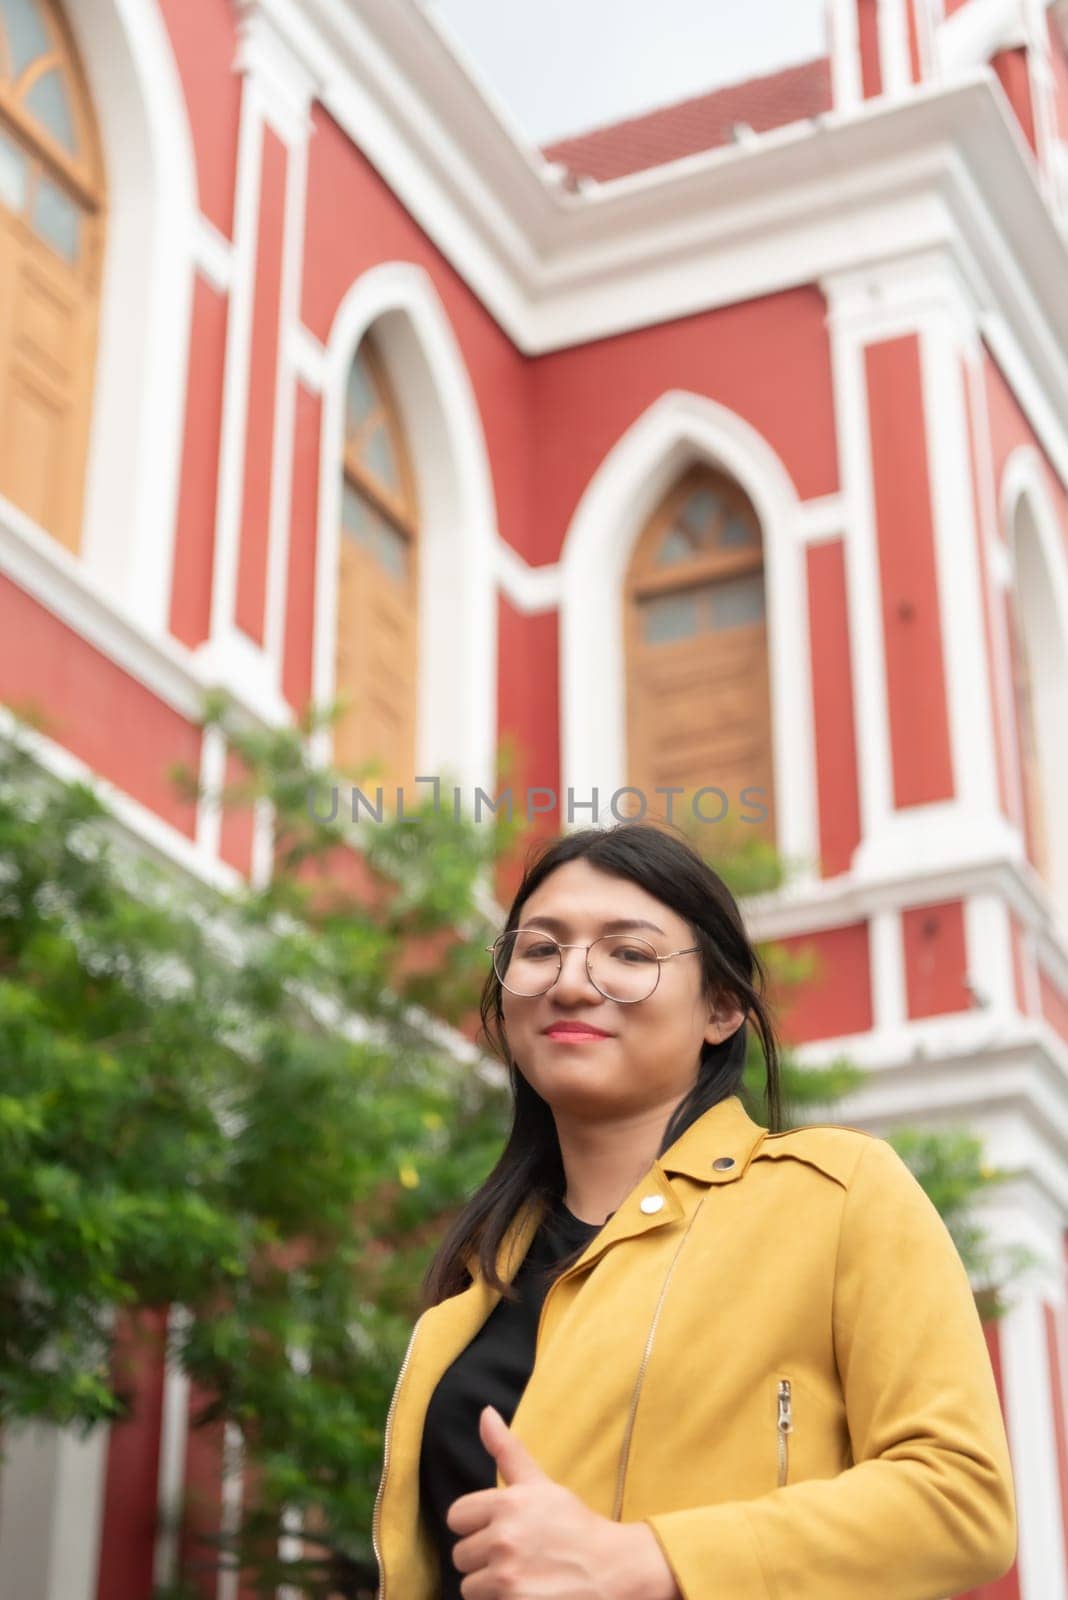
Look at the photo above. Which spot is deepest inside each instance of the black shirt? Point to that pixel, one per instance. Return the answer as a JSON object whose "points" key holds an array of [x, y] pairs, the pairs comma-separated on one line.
{"points": [[491, 1371]]}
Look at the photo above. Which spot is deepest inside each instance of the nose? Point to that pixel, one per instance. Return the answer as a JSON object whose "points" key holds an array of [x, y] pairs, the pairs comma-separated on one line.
{"points": [[573, 984]]}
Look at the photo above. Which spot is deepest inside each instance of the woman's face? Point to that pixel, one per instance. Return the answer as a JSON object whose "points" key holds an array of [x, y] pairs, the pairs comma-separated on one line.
{"points": [[646, 1053]]}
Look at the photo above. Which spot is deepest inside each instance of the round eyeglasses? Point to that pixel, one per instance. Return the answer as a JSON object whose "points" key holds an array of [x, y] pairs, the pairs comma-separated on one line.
{"points": [[620, 966]]}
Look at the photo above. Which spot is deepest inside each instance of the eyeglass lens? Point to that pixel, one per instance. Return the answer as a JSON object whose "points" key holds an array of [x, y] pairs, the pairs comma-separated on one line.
{"points": [[622, 967]]}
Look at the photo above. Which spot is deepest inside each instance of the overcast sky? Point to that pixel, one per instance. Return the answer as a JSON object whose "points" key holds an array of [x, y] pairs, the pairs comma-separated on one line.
{"points": [[562, 66]]}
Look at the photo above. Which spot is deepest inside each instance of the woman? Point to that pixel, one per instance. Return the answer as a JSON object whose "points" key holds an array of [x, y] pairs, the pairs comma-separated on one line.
{"points": [[667, 1351]]}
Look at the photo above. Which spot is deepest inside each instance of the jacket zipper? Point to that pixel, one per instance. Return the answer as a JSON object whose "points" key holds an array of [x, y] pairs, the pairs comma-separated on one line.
{"points": [[784, 1427], [624, 1454], [375, 1526]]}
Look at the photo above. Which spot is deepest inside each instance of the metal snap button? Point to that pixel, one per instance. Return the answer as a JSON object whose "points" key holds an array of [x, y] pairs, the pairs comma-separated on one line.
{"points": [[652, 1202], [721, 1163]]}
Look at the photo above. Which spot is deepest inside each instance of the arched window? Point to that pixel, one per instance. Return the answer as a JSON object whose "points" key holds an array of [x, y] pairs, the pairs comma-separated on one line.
{"points": [[51, 248], [377, 638], [1023, 682], [698, 698]]}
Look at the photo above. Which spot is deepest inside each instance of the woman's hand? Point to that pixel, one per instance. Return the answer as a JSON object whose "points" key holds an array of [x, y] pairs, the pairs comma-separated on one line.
{"points": [[536, 1537]]}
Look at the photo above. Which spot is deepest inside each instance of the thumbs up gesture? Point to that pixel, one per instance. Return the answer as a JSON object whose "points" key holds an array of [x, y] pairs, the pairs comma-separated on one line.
{"points": [[536, 1537]]}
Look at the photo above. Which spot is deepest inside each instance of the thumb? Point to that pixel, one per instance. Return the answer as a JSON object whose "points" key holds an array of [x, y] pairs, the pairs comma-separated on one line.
{"points": [[514, 1460]]}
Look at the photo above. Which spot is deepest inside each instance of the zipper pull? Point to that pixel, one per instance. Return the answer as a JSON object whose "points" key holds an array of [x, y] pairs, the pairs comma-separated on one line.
{"points": [[785, 1414], [785, 1426]]}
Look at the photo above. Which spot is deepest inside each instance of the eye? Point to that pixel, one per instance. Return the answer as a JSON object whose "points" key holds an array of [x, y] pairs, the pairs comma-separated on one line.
{"points": [[537, 952], [634, 954]]}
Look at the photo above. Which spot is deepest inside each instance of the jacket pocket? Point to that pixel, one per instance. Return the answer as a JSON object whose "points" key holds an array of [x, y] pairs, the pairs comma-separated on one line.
{"points": [[784, 1426]]}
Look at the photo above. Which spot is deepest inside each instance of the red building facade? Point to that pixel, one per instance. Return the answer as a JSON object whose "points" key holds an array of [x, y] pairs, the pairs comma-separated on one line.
{"points": [[838, 294]]}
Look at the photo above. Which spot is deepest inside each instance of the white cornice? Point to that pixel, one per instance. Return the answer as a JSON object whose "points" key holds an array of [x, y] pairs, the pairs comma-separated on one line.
{"points": [[1000, 870], [942, 167], [978, 30], [287, 77]]}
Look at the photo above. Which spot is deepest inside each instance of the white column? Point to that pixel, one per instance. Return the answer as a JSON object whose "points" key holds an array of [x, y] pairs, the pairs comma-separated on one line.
{"points": [[51, 1510], [925, 298], [894, 60], [1048, 147], [845, 53], [1025, 1215], [174, 1437], [943, 346], [887, 960], [852, 302], [277, 91]]}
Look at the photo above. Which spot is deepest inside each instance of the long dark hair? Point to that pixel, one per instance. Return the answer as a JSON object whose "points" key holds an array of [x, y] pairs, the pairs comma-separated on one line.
{"points": [[530, 1167]]}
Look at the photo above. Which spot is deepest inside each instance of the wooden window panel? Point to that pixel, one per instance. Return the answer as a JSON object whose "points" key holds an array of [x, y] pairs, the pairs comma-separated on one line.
{"points": [[52, 218], [378, 585], [1035, 831], [699, 704]]}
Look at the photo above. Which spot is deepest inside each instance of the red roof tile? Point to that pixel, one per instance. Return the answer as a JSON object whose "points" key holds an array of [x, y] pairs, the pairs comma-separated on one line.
{"points": [[702, 123]]}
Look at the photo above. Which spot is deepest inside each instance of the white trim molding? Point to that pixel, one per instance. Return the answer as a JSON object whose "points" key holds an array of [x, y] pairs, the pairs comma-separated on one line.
{"points": [[214, 255], [1030, 1421], [277, 87], [956, 558], [153, 229], [457, 707], [850, 304], [529, 589], [972, 1068], [676, 430], [822, 518], [941, 165], [1039, 565], [308, 357], [974, 32], [928, 298], [895, 64], [173, 1444], [158, 838], [844, 44], [272, 58]]}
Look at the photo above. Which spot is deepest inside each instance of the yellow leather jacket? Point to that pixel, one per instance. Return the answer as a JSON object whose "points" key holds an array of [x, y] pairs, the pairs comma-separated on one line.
{"points": [[771, 1354]]}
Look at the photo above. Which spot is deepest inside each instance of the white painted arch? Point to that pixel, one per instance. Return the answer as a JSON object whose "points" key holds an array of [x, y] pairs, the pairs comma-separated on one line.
{"points": [[1038, 558], [676, 430], [457, 696], [135, 442]]}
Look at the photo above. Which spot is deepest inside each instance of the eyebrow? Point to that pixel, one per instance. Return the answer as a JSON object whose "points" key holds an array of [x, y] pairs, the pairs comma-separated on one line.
{"points": [[619, 925]]}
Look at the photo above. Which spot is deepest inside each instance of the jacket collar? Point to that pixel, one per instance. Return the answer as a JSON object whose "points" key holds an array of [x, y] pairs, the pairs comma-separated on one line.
{"points": [[715, 1149], [718, 1147]]}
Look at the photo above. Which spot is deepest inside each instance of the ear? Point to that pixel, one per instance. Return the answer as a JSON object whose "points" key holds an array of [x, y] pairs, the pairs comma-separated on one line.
{"points": [[724, 1018]]}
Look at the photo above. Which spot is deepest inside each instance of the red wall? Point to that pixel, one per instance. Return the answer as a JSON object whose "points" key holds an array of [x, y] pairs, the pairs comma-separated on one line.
{"points": [[194, 547], [86, 701], [128, 1536], [912, 629], [836, 999], [936, 961], [204, 36], [832, 694], [355, 222]]}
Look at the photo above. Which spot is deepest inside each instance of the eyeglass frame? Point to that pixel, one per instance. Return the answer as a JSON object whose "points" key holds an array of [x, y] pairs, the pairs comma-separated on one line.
{"points": [[693, 949]]}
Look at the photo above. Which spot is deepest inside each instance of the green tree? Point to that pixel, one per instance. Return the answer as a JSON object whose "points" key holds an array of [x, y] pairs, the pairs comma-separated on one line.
{"points": [[239, 1102]]}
